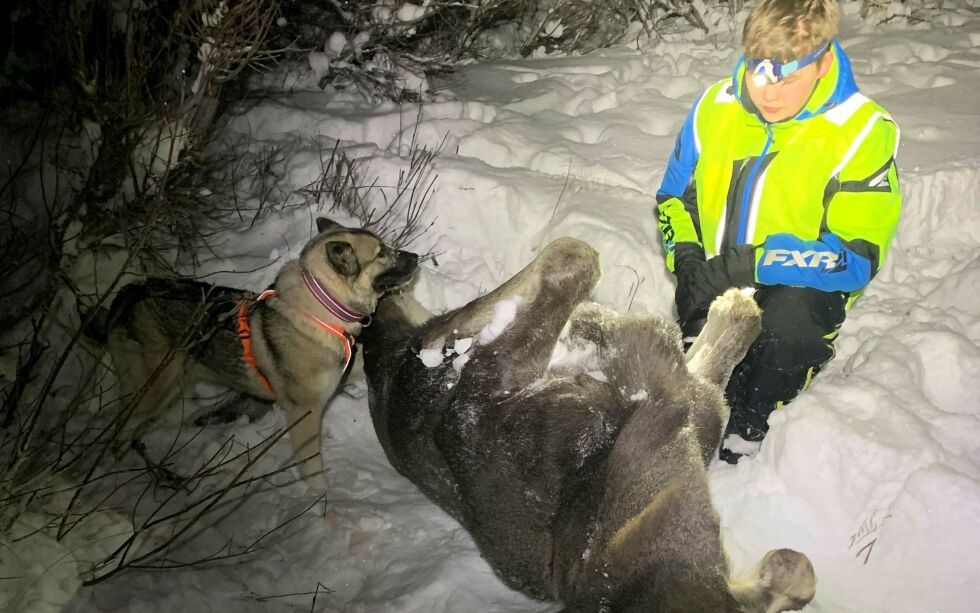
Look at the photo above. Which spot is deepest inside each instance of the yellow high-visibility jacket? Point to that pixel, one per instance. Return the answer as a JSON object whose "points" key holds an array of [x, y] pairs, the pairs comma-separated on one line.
{"points": [[817, 194]]}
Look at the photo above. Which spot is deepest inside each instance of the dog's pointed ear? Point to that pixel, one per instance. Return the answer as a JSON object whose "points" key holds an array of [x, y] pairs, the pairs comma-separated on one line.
{"points": [[341, 256], [323, 224]]}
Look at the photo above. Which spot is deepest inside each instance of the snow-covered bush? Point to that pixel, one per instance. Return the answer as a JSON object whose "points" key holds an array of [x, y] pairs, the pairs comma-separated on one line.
{"points": [[882, 11], [385, 48], [76, 505], [583, 25], [106, 111]]}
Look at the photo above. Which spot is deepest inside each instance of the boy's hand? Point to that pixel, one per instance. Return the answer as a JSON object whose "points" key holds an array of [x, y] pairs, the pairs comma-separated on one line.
{"points": [[699, 282]]}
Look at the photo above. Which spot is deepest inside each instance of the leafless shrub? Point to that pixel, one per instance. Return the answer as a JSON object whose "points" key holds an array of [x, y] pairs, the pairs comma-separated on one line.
{"points": [[111, 136], [231, 37], [229, 183], [585, 25], [61, 473], [383, 49], [163, 527], [396, 213], [386, 48], [106, 149], [912, 11]]}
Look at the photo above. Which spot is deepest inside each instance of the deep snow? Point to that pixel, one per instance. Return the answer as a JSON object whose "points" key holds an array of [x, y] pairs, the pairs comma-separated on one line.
{"points": [[873, 472]]}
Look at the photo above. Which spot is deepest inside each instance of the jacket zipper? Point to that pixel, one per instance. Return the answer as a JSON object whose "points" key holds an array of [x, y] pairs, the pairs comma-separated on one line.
{"points": [[746, 196]]}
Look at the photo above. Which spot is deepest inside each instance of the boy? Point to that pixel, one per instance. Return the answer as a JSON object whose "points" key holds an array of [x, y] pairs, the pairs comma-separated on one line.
{"points": [[783, 178]]}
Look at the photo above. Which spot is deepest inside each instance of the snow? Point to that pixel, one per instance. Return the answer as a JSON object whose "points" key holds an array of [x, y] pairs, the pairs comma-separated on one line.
{"points": [[411, 12], [873, 472], [335, 44], [431, 357], [462, 345], [503, 315]]}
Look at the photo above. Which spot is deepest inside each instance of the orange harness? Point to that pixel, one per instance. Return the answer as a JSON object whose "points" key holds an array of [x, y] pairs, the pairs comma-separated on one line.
{"points": [[245, 334]]}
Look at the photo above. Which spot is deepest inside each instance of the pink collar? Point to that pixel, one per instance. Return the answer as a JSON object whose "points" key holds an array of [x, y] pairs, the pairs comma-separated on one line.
{"points": [[334, 306]]}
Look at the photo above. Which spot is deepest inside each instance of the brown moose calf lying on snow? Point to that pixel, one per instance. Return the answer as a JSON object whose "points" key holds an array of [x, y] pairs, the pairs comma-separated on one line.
{"points": [[593, 493]]}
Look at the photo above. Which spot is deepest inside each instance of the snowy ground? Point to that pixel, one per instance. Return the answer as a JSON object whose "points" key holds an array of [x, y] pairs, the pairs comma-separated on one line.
{"points": [[874, 472]]}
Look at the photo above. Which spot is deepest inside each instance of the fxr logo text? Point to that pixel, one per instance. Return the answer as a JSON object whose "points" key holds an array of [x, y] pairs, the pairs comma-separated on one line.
{"points": [[803, 259]]}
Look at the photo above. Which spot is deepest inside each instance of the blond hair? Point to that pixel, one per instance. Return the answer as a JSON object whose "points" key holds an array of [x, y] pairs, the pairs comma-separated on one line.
{"points": [[785, 30]]}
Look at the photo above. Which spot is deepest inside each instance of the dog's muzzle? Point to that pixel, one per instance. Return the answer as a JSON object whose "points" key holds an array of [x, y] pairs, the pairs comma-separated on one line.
{"points": [[399, 274]]}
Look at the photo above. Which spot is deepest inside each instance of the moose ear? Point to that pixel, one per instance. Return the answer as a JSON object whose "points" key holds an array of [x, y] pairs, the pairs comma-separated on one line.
{"points": [[323, 224], [341, 256]]}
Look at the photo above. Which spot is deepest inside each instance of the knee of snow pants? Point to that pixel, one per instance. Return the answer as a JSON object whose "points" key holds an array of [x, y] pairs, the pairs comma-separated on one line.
{"points": [[799, 326]]}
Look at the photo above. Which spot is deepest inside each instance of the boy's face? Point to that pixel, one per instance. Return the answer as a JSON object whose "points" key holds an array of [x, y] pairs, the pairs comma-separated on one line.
{"points": [[782, 100]]}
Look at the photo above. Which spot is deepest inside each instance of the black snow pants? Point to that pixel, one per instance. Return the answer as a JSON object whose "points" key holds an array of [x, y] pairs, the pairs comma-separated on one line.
{"points": [[799, 326]]}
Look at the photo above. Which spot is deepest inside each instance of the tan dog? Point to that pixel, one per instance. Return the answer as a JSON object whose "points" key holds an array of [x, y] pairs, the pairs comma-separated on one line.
{"points": [[290, 344]]}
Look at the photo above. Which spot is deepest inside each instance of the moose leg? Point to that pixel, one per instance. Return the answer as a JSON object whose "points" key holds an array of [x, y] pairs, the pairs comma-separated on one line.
{"points": [[655, 509], [734, 321], [782, 581], [656, 468], [516, 326], [559, 260]]}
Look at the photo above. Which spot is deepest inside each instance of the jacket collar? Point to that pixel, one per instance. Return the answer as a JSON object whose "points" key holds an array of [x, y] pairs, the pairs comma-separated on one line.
{"points": [[834, 88]]}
